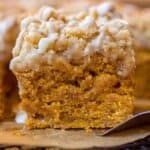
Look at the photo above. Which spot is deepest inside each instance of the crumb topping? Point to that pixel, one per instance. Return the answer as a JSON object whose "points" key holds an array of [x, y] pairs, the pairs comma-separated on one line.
{"points": [[49, 35], [140, 25]]}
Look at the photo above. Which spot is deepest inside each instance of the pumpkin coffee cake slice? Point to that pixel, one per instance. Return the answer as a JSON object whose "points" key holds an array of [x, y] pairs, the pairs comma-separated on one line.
{"points": [[8, 85], [141, 33], [10, 16], [76, 71]]}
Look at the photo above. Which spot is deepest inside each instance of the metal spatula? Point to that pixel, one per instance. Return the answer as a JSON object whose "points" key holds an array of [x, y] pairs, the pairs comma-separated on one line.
{"points": [[142, 118]]}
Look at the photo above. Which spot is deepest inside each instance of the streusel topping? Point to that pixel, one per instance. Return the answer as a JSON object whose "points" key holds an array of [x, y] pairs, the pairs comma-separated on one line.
{"points": [[49, 36], [140, 24]]}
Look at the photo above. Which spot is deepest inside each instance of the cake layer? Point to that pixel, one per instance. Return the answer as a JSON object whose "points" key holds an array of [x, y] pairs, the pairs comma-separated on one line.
{"points": [[75, 96], [87, 114]]}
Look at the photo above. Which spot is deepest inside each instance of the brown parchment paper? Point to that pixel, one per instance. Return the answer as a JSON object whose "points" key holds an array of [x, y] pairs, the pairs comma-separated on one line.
{"points": [[14, 134]]}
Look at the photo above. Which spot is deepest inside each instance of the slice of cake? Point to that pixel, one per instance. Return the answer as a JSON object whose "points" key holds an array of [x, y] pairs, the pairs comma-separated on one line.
{"points": [[9, 29], [74, 5], [76, 71], [8, 34], [139, 22]]}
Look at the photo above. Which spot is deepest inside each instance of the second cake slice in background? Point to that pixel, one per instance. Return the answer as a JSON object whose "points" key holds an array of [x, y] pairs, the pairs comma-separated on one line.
{"points": [[10, 16], [9, 29], [139, 22]]}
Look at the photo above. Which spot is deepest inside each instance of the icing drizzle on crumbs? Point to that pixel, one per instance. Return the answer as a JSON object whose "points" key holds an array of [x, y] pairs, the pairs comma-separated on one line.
{"points": [[97, 30]]}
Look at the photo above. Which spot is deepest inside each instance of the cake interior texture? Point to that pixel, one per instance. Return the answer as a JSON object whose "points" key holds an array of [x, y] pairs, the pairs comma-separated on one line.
{"points": [[75, 72], [73, 96]]}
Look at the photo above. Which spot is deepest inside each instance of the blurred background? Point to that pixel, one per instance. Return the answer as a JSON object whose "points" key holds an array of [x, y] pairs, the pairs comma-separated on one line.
{"points": [[66, 5]]}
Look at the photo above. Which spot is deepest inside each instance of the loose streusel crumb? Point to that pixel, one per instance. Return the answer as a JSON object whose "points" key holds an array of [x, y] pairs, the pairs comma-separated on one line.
{"points": [[75, 71]]}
